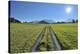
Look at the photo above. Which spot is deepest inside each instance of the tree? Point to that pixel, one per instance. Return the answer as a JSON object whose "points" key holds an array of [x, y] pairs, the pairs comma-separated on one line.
{"points": [[76, 20], [73, 21]]}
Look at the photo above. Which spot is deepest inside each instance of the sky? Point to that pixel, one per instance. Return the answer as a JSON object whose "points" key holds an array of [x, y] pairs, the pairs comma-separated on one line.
{"points": [[36, 11]]}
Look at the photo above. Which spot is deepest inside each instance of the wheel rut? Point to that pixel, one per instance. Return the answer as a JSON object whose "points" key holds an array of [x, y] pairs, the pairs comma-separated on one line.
{"points": [[55, 41]]}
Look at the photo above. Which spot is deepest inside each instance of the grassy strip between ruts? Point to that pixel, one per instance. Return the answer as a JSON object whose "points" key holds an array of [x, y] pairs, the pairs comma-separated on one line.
{"points": [[46, 42]]}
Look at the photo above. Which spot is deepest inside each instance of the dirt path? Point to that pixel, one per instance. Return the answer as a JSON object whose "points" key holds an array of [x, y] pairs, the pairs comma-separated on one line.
{"points": [[33, 49], [53, 37]]}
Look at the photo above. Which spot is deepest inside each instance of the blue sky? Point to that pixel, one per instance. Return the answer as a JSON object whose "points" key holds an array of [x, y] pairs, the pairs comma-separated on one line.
{"points": [[34, 11]]}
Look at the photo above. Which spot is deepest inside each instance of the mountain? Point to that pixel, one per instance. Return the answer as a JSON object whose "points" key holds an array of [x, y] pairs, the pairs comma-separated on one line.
{"points": [[14, 20], [49, 21], [43, 21]]}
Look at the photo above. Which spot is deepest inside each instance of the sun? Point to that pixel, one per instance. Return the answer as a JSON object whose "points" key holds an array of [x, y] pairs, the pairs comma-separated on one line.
{"points": [[68, 10]]}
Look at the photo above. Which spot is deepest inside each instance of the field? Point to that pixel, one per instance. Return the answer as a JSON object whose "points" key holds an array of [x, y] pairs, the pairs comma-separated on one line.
{"points": [[67, 34], [24, 35]]}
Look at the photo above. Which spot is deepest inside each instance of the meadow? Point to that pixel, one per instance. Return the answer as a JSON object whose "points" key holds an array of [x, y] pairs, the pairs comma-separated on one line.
{"points": [[67, 34], [23, 36]]}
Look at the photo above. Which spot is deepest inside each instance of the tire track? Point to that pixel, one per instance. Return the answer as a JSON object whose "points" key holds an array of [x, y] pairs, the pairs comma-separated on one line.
{"points": [[54, 39], [33, 49]]}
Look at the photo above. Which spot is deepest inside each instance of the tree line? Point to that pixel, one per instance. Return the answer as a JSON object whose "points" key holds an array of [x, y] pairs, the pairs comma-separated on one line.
{"points": [[72, 21], [13, 20]]}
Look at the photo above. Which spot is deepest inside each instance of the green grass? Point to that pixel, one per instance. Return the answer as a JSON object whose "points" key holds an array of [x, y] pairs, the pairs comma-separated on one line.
{"points": [[67, 34], [23, 36], [46, 42]]}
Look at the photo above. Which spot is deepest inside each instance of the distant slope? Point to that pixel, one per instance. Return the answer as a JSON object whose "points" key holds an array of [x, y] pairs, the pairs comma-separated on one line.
{"points": [[43, 22], [14, 20]]}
